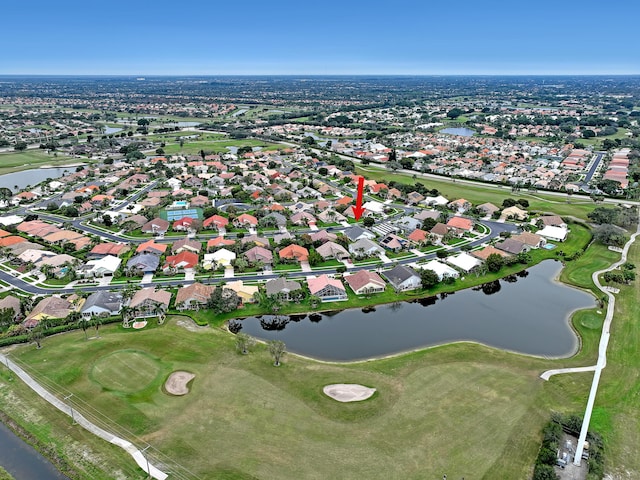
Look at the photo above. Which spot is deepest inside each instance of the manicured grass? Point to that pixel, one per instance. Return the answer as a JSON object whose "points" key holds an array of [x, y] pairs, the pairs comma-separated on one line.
{"points": [[479, 193], [409, 424], [220, 146], [125, 371], [15, 161]]}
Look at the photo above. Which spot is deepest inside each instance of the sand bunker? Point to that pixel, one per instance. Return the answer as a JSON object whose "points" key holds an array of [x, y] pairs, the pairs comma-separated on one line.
{"points": [[343, 392], [176, 384]]}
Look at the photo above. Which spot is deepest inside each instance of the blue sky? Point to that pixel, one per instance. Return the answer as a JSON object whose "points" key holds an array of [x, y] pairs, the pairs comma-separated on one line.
{"points": [[226, 37]]}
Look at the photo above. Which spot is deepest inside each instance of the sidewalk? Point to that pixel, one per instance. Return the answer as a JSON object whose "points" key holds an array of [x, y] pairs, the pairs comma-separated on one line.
{"points": [[137, 455]]}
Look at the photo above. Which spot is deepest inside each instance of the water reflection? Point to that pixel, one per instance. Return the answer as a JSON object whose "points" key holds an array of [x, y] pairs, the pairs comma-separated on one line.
{"points": [[528, 316]]}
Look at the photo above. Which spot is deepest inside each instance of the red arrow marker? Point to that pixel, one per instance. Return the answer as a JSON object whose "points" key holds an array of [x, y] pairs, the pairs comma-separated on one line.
{"points": [[358, 210]]}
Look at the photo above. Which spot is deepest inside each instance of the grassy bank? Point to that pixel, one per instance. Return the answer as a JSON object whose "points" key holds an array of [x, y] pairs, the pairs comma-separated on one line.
{"points": [[14, 161], [461, 409], [479, 193]]}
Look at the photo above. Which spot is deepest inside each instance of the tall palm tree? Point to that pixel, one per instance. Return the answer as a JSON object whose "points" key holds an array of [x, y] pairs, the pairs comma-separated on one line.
{"points": [[125, 313], [82, 323]]}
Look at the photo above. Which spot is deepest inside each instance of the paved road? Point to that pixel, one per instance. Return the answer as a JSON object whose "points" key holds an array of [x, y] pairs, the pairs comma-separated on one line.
{"points": [[496, 229], [602, 349], [594, 167]]}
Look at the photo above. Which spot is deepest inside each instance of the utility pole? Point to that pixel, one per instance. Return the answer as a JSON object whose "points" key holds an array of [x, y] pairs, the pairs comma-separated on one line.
{"points": [[73, 419], [147, 459]]}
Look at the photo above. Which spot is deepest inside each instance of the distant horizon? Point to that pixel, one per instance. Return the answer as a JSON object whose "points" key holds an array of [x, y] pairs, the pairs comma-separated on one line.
{"points": [[165, 75], [257, 38]]}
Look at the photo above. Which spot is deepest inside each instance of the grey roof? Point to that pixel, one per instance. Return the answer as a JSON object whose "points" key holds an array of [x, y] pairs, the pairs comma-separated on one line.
{"points": [[278, 285], [111, 301], [278, 217], [145, 261], [400, 274], [365, 245], [353, 233]]}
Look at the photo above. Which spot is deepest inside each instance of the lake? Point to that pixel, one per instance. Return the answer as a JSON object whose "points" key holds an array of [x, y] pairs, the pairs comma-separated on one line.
{"points": [[182, 124], [32, 177], [22, 461], [527, 314], [109, 130], [461, 131]]}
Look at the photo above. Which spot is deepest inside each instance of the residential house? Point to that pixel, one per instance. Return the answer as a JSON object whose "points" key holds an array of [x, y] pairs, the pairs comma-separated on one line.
{"points": [[303, 218], [330, 250], [531, 239], [220, 258], [484, 253], [512, 246], [488, 209], [550, 232], [102, 304], [283, 288], [246, 293], [460, 205], [439, 231], [365, 248], [143, 263], [157, 226], [182, 261], [183, 224], [149, 302], [393, 242], [259, 241], [464, 262], [186, 244], [152, 247], [219, 242], [356, 232], [403, 278], [259, 254], [53, 307], [12, 303], [294, 252], [327, 289], [331, 216], [441, 269], [194, 296], [323, 236], [407, 224], [103, 249], [514, 213], [102, 267], [245, 221], [460, 225], [414, 198], [418, 236], [552, 221], [365, 282], [215, 221]]}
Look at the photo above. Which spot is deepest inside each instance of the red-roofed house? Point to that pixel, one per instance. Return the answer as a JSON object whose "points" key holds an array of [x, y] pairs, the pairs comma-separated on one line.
{"points": [[327, 289], [460, 225], [184, 259], [294, 252]]}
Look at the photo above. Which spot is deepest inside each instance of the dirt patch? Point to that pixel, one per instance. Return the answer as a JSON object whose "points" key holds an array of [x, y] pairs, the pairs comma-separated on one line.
{"points": [[190, 325], [345, 392], [177, 383]]}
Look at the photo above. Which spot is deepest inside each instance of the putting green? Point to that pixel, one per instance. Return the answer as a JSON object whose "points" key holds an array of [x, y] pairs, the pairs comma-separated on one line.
{"points": [[126, 371]]}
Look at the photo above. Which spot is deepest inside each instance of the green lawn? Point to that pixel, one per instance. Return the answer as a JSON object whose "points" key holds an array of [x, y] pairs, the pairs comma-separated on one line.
{"points": [[220, 146], [239, 404], [15, 161], [479, 193]]}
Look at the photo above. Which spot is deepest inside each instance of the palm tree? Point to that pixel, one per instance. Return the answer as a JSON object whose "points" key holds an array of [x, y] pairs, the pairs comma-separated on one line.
{"points": [[96, 321], [125, 312], [159, 311], [82, 323]]}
